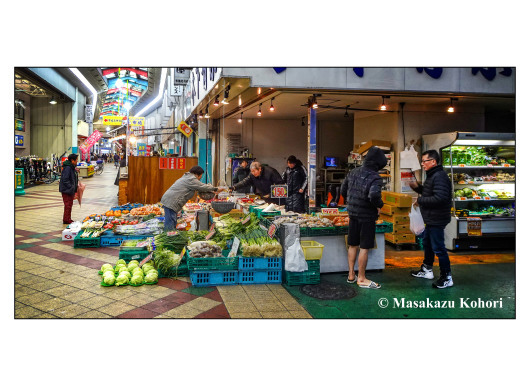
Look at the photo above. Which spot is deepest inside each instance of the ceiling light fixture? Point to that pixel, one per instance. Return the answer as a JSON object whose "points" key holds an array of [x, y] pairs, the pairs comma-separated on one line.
{"points": [[346, 115], [200, 115], [240, 118], [314, 104], [227, 93], [53, 101], [216, 103], [272, 106], [206, 115], [451, 108], [383, 106], [259, 111]]}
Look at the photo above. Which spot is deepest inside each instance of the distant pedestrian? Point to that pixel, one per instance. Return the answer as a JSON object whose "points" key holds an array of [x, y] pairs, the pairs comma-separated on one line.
{"points": [[116, 160], [295, 176], [68, 186], [241, 172]]}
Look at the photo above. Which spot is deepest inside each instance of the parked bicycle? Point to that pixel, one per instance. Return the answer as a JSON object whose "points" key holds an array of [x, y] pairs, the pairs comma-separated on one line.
{"points": [[98, 169]]}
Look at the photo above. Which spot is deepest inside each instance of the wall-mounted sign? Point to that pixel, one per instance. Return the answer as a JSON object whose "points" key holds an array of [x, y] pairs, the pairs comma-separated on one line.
{"points": [[172, 162], [163, 163], [181, 163], [19, 140], [90, 141], [20, 125], [89, 113], [136, 121], [179, 78], [111, 120], [142, 149], [185, 129]]}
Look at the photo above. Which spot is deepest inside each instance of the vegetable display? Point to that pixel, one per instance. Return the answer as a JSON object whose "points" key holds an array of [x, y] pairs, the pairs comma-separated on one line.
{"points": [[147, 210], [204, 249], [258, 243], [173, 241], [305, 221], [165, 260], [145, 228]]}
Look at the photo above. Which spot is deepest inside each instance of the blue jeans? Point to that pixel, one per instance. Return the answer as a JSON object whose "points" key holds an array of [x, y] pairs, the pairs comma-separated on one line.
{"points": [[170, 219], [433, 243]]}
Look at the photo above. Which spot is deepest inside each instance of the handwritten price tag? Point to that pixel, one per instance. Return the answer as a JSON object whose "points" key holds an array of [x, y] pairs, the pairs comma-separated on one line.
{"points": [[272, 230], [210, 235], [247, 219], [149, 257], [461, 165], [506, 165], [182, 253]]}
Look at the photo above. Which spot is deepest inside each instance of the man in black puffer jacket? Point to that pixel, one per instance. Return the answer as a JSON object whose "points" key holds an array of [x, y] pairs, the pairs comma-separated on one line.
{"points": [[295, 176], [68, 186], [435, 206], [362, 187], [261, 178]]}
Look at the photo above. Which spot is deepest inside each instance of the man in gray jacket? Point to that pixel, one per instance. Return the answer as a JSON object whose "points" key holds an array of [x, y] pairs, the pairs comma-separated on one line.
{"points": [[180, 192]]}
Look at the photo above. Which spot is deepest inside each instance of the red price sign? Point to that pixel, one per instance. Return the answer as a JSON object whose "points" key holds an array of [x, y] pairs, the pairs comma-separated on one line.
{"points": [[272, 230], [149, 257], [172, 163], [210, 235], [163, 163], [506, 165], [182, 253], [278, 191], [181, 163], [461, 165], [247, 219], [330, 210], [487, 198]]}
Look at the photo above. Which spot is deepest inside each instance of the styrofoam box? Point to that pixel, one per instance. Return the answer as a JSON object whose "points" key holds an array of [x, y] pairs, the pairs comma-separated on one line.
{"points": [[68, 234]]}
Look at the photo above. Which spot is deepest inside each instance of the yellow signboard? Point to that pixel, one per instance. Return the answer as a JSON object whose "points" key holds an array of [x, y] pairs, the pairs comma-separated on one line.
{"points": [[112, 120], [185, 129], [136, 121]]}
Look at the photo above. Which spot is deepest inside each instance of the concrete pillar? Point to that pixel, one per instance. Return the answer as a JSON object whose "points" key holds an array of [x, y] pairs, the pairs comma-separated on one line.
{"points": [[312, 155], [205, 151], [74, 124]]}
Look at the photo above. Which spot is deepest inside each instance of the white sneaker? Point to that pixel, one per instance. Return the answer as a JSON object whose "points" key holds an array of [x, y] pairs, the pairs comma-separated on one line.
{"points": [[443, 281], [423, 272]]}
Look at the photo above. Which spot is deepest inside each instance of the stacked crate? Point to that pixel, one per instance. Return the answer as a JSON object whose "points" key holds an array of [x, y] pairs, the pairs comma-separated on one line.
{"points": [[313, 253], [260, 270], [396, 211]]}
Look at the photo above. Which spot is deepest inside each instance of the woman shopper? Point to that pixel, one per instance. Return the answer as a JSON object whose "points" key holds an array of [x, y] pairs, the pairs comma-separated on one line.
{"points": [[68, 186], [180, 192], [295, 176]]}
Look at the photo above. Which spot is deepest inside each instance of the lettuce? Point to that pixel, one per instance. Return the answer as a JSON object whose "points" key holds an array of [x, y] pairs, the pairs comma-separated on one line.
{"points": [[146, 268], [121, 261], [122, 280], [106, 267], [137, 270], [109, 279], [118, 266], [126, 273], [122, 269], [137, 279], [151, 276]]}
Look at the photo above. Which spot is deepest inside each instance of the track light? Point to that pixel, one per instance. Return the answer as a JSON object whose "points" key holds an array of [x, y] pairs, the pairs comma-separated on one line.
{"points": [[259, 111], [303, 124], [227, 93], [206, 115], [200, 115], [216, 103], [383, 106], [314, 104], [346, 115], [53, 101], [451, 109], [240, 118], [272, 106]]}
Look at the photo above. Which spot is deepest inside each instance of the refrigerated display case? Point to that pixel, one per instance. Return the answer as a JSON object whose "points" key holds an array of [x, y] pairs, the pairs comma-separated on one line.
{"points": [[481, 167]]}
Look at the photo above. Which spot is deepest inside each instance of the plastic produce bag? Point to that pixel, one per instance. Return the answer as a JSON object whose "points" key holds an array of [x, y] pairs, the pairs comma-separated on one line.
{"points": [[79, 194], [417, 226], [408, 159], [294, 255]]}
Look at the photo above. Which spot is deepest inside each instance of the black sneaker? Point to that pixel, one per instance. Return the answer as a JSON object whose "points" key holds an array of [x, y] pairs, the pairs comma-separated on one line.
{"points": [[423, 272], [443, 281]]}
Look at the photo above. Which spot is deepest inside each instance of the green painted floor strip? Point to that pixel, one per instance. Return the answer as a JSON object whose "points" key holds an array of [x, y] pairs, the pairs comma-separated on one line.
{"points": [[402, 296], [198, 291], [22, 246]]}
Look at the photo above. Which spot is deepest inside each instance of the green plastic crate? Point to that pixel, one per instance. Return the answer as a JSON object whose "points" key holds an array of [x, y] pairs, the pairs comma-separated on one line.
{"points": [[311, 276], [128, 255], [327, 231], [384, 227], [86, 242], [212, 263]]}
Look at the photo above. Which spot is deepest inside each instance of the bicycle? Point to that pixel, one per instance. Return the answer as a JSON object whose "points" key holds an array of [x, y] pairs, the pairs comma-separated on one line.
{"points": [[98, 169]]}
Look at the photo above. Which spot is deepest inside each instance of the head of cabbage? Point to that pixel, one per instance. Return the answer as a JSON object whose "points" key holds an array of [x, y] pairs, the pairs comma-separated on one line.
{"points": [[137, 280], [137, 270], [151, 276], [146, 268], [106, 267], [121, 261], [126, 273], [118, 266], [133, 263], [108, 274], [122, 280], [122, 269], [109, 279]]}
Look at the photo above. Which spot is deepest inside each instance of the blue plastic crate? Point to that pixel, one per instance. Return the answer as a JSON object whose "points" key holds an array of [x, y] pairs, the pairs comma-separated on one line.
{"points": [[109, 239], [262, 263], [260, 277], [213, 278]]}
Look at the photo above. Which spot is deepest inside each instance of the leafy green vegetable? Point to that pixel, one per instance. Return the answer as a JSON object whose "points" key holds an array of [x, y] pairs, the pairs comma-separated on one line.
{"points": [[126, 273], [151, 276], [147, 267], [108, 274], [122, 280], [118, 266], [137, 271], [121, 261], [137, 279], [106, 267], [109, 280]]}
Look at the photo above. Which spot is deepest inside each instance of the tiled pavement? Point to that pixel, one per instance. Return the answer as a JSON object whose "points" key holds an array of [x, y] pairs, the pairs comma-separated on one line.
{"points": [[54, 280]]}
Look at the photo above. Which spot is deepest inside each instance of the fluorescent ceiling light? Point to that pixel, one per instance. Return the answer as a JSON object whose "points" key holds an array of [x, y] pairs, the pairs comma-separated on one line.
{"points": [[160, 92], [87, 84]]}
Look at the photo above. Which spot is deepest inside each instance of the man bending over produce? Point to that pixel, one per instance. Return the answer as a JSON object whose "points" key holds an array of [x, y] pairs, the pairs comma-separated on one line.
{"points": [[261, 178], [180, 192]]}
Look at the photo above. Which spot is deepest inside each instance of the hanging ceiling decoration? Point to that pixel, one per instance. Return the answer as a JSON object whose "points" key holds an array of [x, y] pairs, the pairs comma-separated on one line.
{"points": [[125, 86]]}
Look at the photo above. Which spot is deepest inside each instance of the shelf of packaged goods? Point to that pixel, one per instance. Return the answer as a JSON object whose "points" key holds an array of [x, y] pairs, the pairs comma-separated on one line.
{"points": [[479, 167], [461, 199], [485, 217], [484, 183]]}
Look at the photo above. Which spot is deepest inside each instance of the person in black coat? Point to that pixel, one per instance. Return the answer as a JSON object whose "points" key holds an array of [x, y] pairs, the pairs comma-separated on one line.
{"points": [[261, 178], [295, 176], [435, 206], [362, 187], [240, 174], [68, 186]]}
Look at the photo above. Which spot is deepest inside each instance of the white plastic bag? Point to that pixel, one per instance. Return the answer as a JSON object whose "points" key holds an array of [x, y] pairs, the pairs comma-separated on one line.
{"points": [[417, 226], [294, 255], [408, 159]]}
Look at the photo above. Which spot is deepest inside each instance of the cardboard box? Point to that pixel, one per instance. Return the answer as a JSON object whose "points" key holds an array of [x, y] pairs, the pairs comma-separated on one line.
{"points": [[402, 228], [396, 219], [401, 238], [391, 210], [383, 145], [401, 200], [68, 234]]}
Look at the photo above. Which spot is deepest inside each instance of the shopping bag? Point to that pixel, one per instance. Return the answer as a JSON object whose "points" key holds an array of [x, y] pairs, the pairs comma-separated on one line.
{"points": [[417, 226], [294, 255], [408, 159], [79, 194]]}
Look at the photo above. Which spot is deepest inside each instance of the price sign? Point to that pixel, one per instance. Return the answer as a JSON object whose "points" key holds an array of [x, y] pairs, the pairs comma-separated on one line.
{"points": [[272, 230], [181, 163], [330, 211], [478, 198], [474, 226], [462, 198], [278, 191], [245, 220], [172, 163], [487, 198], [172, 233], [506, 165], [461, 165], [235, 247], [489, 165], [182, 253], [212, 232], [149, 257], [163, 163]]}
